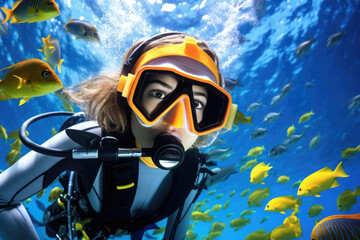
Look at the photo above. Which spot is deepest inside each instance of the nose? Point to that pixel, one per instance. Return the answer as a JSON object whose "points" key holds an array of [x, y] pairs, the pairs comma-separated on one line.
{"points": [[175, 117]]}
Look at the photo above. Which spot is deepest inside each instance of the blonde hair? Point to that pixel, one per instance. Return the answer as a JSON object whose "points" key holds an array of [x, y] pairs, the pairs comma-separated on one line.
{"points": [[99, 99]]}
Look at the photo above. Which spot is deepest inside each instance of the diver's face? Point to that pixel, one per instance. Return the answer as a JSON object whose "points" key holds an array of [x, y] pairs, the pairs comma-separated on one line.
{"points": [[159, 86]]}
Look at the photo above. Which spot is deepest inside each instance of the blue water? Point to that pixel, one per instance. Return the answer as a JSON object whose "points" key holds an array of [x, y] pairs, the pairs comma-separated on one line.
{"points": [[264, 65]]}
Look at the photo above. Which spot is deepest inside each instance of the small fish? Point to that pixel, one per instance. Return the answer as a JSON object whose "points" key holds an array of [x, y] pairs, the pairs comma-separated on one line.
{"points": [[315, 210], [305, 117], [255, 151], [290, 130], [231, 83], [226, 204], [52, 52], [258, 133], [347, 199], [219, 196], [199, 216], [28, 200], [321, 180], [190, 234], [31, 11], [55, 194], [240, 118], [299, 148], [293, 139], [53, 132], [334, 39], [349, 152], [264, 219], [232, 193], [40, 205], [280, 204], [336, 226], [254, 106], [243, 193], [278, 151], [17, 145], [304, 47], [355, 102], [229, 215], [275, 100], [213, 235], [259, 172], [314, 142], [211, 192], [222, 174], [271, 117], [14, 135], [3, 27], [216, 207], [283, 179], [29, 78], [258, 235], [12, 157], [217, 227], [238, 223], [247, 212], [249, 164], [286, 89], [82, 30], [3, 134], [41, 193], [158, 231], [217, 153], [295, 184], [308, 85], [258, 196]]}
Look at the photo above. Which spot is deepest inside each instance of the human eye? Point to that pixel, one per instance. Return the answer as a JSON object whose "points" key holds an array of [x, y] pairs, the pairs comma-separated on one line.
{"points": [[157, 94], [199, 105]]}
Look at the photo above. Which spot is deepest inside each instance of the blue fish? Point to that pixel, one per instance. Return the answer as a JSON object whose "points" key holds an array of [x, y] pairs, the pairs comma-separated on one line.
{"points": [[337, 227], [40, 205]]}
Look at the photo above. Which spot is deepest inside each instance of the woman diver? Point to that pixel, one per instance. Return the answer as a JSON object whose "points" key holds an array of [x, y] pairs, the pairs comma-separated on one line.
{"points": [[170, 98]]}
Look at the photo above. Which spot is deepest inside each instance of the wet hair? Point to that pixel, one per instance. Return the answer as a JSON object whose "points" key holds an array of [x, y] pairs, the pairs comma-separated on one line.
{"points": [[98, 96]]}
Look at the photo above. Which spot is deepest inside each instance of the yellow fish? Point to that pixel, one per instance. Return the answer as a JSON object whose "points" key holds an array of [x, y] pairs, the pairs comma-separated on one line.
{"points": [[258, 235], [347, 199], [280, 204], [283, 179], [199, 216], [305, 117], [349, 152], [229, 215], [41, 193], [238, 223], [52, 52], [315, 210], [321, 180], [53, 132], [226, 204], [259, 172], [211, 192], [14, 135], [249, 164], [232, 193], [212, 235], [31, 11], [255, 151], [219, 196], [12, 157], [336, 226], [240, 118], [216, 207], [290, 130], [17, 145], [158, 231], [243, 193], [258, 196], [29, 78], [3, 134], [190, 234], [218, 227], [247, 212], [55, 194], [82, 30], [28, 200], [264, 219]]}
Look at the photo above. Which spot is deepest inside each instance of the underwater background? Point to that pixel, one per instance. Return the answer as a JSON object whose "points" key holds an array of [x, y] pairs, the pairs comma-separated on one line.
{"points": [[256, 42]]}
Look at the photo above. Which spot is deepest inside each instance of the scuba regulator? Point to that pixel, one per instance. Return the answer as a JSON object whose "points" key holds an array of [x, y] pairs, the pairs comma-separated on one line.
{"points": [[167, 152]]}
